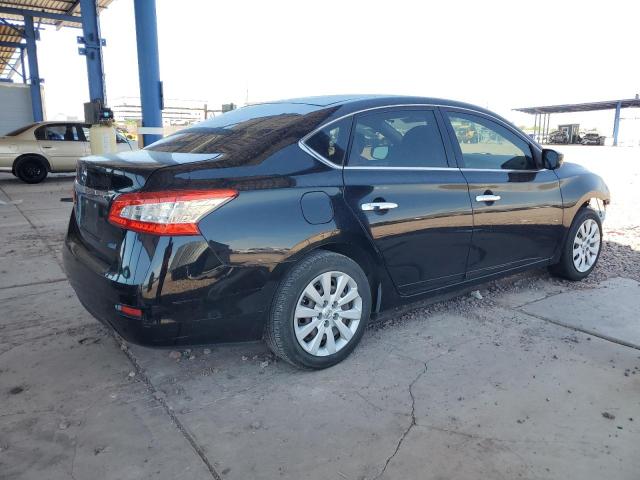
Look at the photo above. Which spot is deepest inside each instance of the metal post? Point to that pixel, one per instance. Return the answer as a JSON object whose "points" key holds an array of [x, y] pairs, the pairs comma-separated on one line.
{"points": [[616, 124], [93, 50], [149, 70], [24, 73], [535, 126], [34, 75]]}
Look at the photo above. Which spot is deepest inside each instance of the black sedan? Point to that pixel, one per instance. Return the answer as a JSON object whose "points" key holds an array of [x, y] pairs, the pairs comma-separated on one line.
{"points": [[298, 221]]}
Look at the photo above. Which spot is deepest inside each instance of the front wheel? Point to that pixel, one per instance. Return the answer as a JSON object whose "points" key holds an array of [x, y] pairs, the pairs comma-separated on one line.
{"points": [[320, 311], [582, 247]]}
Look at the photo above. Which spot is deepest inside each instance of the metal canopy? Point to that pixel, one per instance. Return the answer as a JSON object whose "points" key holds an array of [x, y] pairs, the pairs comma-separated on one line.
{"points": [[61, 13], [29, 15], [9, 54], [583, 107], [541, 127]]}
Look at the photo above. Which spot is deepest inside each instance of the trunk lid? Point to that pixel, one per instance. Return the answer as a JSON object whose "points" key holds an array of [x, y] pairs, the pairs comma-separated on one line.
{"points": [[100, 178]]}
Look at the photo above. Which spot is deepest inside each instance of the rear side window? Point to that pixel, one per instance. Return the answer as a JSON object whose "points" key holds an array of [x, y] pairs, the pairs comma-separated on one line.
{"points": [[485, 144], [397, 138], [58, 133], [331, 142]]}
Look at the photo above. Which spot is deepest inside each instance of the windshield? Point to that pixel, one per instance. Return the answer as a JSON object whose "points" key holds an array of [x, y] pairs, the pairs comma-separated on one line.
{"points": [[20, 130]]}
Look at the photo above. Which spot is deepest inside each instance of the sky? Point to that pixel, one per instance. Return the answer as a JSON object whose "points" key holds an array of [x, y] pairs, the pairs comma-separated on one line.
{"points": [[496, 54]]}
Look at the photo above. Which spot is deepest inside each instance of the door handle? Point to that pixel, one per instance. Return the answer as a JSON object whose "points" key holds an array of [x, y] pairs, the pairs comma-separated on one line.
{"points": [[377, 206], [46, 146], [487, 198]]}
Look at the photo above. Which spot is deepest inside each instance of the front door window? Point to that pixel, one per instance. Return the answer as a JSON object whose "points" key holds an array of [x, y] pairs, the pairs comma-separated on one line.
{"points": [[487, 145]]}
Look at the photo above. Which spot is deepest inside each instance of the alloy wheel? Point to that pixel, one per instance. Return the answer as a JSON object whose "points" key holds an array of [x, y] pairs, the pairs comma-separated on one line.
{"points": [[586, 245], [327, 313]]}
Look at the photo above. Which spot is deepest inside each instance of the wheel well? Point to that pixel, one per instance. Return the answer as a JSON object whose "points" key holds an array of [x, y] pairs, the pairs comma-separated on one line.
{"points": [[596, 204], [364, 258], [24, 155]]}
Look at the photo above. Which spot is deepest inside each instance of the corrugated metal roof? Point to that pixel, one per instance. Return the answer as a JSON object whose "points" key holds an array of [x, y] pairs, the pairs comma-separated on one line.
{"points": [[582, 107], [8, 55], [66, 7]]}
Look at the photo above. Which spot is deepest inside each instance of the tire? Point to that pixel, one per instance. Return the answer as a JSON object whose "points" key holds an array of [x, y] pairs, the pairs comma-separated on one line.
{"points": [[31, 169], [286, 324], [572, 269]]}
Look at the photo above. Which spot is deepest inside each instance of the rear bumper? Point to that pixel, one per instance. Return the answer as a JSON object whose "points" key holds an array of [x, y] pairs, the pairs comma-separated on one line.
{"points": [[187, 296], [99, 296]]}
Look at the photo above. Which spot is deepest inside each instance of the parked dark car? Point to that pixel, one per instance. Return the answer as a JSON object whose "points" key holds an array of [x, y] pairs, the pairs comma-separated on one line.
{"points": [[297, 221]]}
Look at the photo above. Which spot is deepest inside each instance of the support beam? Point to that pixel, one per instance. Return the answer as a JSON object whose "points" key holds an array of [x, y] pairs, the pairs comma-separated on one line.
{"points": [[13, 44], [24, 72], [149, 69], [34, 75], [546, 134], [616, 124], [25, 12], [93, 49]]}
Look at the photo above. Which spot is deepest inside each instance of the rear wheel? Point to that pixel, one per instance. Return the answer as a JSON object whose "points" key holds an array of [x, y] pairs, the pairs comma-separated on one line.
{"points": [[31, 169], [582, 247], [320, 311]]}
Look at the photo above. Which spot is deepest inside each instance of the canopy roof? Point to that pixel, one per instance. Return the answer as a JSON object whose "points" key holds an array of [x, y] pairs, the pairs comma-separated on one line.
{"points": [[582, 107], [61, 13]]}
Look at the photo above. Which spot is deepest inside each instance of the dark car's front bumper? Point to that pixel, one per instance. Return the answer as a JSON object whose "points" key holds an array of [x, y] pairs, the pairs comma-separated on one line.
{"points": [[185, 298]]}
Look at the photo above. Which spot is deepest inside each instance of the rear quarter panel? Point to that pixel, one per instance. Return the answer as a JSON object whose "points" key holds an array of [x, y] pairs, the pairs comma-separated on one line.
{"points": [[265, 224]]}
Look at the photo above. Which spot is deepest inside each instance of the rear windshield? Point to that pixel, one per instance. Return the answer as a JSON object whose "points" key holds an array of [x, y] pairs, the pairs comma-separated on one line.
{"points": [[20, 130], [254, 126]]}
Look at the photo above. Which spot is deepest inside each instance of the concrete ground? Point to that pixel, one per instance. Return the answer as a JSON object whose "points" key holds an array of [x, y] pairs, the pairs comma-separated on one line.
{"points": [[539, 379]]}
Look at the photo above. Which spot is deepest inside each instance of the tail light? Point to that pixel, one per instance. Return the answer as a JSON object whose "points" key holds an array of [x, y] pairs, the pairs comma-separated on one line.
{"points": [[167, 213], [129, 311]]}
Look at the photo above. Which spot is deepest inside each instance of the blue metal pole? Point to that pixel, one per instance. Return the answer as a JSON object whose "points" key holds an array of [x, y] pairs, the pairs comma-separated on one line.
{"points": [[616, 124], [24, 73], [32, 57], [149, 69], [93, 49]]}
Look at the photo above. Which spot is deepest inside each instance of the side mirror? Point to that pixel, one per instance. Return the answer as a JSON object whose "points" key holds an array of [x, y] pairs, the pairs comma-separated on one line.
{"points": [[380, 153], [551, 159]]}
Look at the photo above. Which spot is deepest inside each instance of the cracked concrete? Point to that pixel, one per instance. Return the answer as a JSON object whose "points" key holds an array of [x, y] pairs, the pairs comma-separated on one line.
{"points": [[492, 388], [411, 425]]}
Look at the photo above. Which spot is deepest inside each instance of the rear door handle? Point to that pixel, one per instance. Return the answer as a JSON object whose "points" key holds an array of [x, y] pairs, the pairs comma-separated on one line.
{"points": [[377, 206], [487, 198], [46, 146]]}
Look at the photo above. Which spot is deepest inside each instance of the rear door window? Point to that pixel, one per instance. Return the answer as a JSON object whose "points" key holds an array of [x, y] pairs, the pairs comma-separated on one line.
{"points": [[397, 138]]}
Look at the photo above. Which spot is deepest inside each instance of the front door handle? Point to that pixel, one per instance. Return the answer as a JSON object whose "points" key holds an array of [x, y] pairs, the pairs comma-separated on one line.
{"points": [[487, 198], [46, 146], [378, 206]]}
